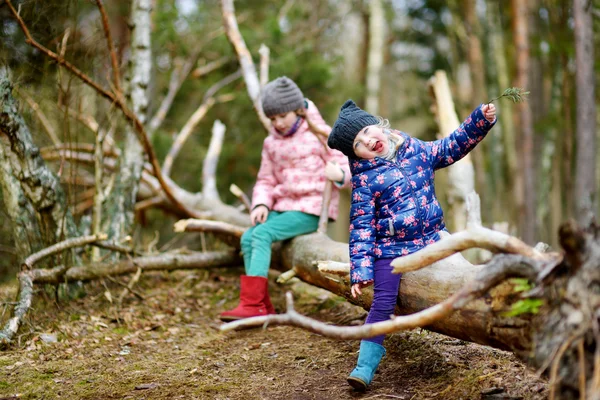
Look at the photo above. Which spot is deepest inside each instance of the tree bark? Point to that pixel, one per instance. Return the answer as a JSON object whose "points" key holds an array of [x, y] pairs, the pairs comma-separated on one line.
{"points": [[120, 205], [585, 182], [375, 58], [506, 122], [479, 94], [521, 42], [33, 195]]}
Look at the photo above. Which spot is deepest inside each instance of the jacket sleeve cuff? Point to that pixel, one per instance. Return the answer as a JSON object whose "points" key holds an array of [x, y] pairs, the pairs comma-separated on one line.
{"points": [[478, 116]]}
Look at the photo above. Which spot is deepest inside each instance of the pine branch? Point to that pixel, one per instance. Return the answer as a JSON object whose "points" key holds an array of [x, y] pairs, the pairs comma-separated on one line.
{"points": [[517, 95]]}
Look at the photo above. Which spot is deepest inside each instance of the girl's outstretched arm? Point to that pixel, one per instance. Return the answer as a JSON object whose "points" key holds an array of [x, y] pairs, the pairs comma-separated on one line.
{"points": [[447, 151]]}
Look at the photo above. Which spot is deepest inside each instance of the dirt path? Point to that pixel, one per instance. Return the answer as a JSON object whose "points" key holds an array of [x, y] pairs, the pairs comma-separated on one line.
{"points": [[168, 346]]}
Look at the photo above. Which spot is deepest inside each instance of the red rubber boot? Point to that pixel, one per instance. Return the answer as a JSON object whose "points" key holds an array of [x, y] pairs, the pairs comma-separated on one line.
{"points": [[252, 299]]}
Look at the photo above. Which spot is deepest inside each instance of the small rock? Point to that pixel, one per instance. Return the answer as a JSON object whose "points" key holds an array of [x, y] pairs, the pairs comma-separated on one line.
{"points": [[48, 338]]}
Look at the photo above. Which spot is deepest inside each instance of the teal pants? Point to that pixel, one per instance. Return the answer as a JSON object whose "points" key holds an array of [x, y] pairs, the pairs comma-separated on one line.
{"points": [[256, 241]]}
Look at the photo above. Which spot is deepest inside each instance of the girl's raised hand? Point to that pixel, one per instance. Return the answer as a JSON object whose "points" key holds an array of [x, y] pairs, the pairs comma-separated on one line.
{"points": [[489, 112], [259, 215], [333, 172]]}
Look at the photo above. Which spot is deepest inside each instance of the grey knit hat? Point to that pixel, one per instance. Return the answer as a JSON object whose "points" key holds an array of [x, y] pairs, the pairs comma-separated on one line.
{"points": [[280, 96], [350, 121]]}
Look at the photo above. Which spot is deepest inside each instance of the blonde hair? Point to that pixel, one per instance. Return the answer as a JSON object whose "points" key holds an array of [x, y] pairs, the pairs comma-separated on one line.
{"points": [[382, 123]]}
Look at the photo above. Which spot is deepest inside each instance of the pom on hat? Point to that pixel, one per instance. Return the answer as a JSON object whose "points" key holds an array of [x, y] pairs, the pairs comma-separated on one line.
{"points": [[351, 120], [280, 96]]}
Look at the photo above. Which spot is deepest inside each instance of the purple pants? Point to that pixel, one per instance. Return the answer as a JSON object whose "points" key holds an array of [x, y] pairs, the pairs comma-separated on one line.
{"points": [[385, 295]]}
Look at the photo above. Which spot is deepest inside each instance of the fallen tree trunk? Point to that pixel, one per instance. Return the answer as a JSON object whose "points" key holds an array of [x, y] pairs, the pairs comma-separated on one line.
{"points": [[481, 321]]}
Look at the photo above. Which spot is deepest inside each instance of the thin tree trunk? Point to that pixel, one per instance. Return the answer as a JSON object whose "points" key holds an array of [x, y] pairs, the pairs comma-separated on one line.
{"points": [[568, 138], [505, 110], [585, 182], [121, 203], [524, 117], [375, 58], [474, 52]]}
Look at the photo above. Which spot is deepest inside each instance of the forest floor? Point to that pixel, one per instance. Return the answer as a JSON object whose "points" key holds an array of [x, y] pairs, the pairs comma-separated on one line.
{"points": [[168, 346]]}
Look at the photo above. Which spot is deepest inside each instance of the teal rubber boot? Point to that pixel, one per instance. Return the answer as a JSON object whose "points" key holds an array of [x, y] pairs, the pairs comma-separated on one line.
{"points": [[369, 356]]}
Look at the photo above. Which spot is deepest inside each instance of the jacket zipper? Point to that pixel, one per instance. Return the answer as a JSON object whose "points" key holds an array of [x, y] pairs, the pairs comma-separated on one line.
{"points": [[412, 192]]}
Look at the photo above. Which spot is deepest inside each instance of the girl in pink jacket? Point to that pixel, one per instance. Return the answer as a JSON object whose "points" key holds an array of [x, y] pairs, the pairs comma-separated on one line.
{"points": [[286, 202]]}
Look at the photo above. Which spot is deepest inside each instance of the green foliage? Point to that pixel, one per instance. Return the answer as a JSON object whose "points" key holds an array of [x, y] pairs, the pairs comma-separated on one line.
{"points": [[525, 306], [517, 95], [521, 284]]}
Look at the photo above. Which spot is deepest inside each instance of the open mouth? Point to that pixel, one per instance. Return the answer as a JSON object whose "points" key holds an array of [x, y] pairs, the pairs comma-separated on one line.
{"points": [[378, 147]]}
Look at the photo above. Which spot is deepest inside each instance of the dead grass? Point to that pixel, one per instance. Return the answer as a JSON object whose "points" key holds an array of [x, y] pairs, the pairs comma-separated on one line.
{"points": [[168, 347]]}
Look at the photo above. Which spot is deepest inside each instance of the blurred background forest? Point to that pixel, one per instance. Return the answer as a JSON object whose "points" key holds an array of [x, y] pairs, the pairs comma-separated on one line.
{"points": [[525, 170]]}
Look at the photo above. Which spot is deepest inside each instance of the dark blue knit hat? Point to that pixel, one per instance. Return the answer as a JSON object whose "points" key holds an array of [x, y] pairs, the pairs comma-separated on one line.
{"points": [[350, 121]]}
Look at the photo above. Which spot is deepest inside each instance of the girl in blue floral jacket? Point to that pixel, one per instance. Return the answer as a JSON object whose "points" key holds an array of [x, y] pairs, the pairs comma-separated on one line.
{"points": [[394, 209]]}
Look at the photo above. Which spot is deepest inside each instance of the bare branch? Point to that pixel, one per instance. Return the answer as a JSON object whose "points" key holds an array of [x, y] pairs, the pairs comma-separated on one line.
{"points": [[87, 120], [194, 120], [210, 67], [23, 305], [160, 262], [245, 59], [264, 64], [77, 147], [184, 134], [111, 48], [286, 276], [216, 227], [116, 247], [239, 193], [211, 160], [150, 202], [500, 269], [334, 268], [61, 246], [221, 84], [324, 216], [180, 74], [41, 116], [284, 10], [472, 237], [99, 193]]}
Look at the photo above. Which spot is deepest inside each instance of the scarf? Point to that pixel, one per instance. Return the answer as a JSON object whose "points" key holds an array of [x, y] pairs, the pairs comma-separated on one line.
{"points": [[293, 129]]}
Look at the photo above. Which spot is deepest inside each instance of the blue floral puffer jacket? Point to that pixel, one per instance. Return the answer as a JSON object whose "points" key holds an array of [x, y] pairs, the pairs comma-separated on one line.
{"points": [[394, 209]]}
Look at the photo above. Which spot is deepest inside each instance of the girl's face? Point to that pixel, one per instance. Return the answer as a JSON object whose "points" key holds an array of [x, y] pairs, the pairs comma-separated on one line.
{"points": [[371, 142], [284, 122]]}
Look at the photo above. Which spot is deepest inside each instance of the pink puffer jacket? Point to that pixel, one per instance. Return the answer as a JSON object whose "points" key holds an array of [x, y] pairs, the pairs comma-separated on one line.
{"points": [[292, 170]]}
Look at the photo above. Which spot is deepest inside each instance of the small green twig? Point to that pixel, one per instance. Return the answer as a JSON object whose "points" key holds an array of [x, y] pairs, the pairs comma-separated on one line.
{"points": [[517, 95]]}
